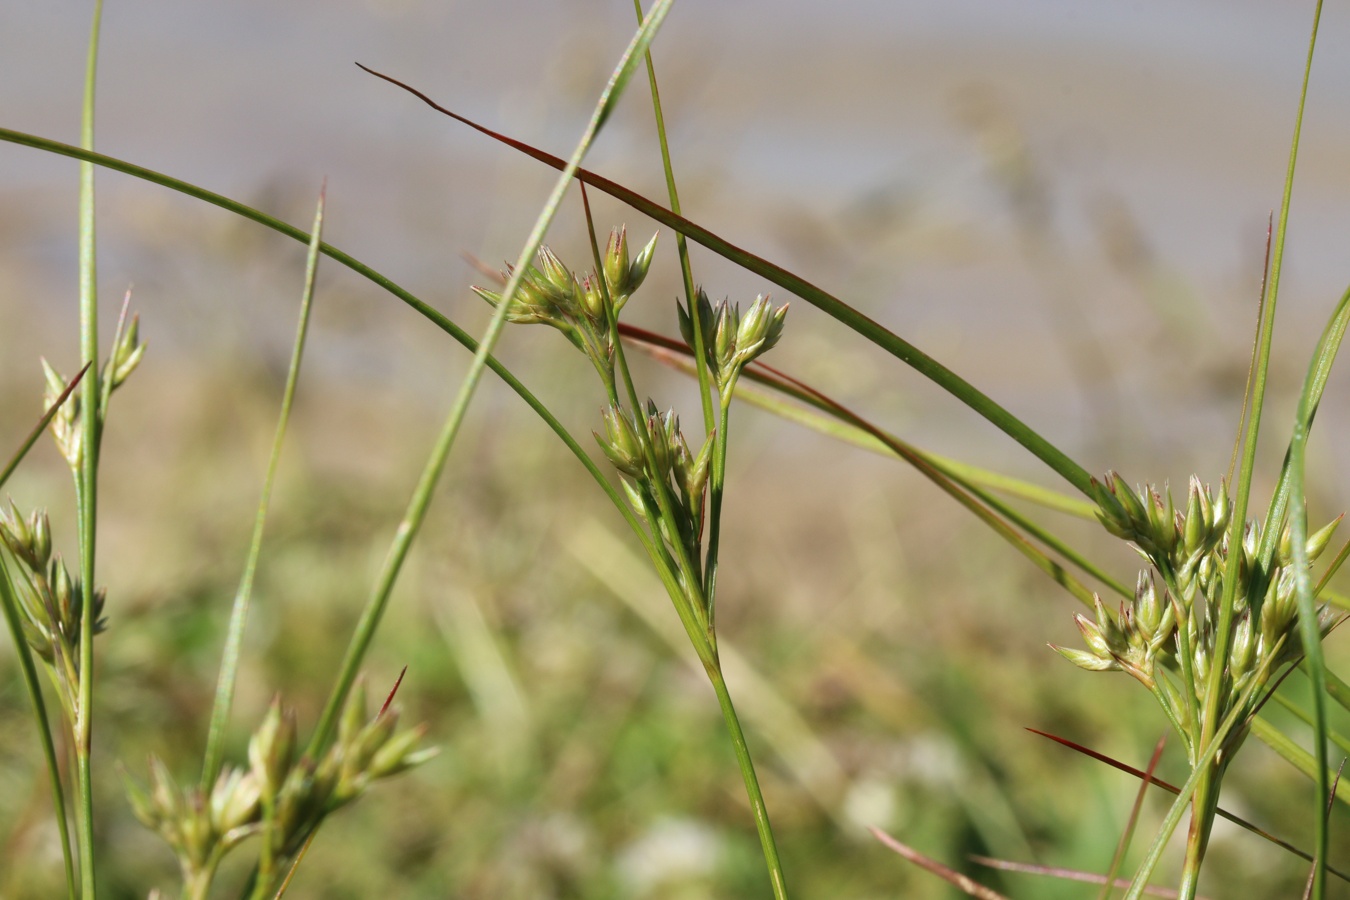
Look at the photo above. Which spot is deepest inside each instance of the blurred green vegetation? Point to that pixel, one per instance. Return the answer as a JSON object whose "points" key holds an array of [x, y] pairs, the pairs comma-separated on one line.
{"points": [[582, 756]]}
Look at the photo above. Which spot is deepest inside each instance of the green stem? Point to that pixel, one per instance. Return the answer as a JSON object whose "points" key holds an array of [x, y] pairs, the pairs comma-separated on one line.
{"points": [[87, 492], [1224, 628], [682, 247], [752, 790], [229, 665], [716, 488], [1203, 804]]}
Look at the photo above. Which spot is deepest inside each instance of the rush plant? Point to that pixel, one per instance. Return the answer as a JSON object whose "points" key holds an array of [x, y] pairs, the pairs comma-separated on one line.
{"points": [[1223, 609]]}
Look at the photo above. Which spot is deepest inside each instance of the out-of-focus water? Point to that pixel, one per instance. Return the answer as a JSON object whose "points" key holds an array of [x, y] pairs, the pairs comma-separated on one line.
{"points": [[1023, 189]]}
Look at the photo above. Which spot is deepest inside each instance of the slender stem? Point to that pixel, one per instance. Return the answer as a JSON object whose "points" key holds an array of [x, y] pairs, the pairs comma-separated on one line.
{"points": [[665, 505], [752, 790], [229, 665], [681, 246], [1203, 804], [716, 487], [87, 492], [1214, 695]]}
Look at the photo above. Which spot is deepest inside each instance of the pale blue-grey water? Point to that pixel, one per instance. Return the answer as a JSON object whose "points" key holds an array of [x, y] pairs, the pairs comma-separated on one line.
{"points": [[856, 142]]}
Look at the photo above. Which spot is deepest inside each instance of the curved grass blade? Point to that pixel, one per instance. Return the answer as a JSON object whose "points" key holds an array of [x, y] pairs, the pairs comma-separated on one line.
{"points": [[822, 300], [1173, 789], [1004, 865], [964, 884], [430, 313], [1290, 751], [421, 499], [1339, 740], [1123, 846], [234, 639], [41, 425], [676, 353], [978, 501], [1310, 632]]}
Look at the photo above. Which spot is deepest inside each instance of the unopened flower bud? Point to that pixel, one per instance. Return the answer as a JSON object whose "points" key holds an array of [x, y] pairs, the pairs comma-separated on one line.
{"points": [[1085, 660], [272, 748], [1318, 541], [621, 443]]}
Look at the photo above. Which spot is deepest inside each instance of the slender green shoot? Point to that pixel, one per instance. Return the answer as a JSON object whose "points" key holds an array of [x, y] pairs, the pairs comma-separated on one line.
{"points": [[421, 499], [681, 242], [747, 768], [234, 640], [1310, 631], [1127, 835], [87, 488], [1294, 754]]}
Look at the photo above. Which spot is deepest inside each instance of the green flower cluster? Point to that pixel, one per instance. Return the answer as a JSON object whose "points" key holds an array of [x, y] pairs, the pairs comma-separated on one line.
{"points": [[1167, 636], [281, 796], [49, 601]]}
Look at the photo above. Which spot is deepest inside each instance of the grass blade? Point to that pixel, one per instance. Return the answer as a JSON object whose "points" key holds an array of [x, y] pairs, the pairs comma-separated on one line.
{"points": [[676, 354], [822, 300], [229, 665], [1124, 845], [965, 885], [1004, 865], [1290, 751], [1310, 631], [1227, 603], [41, 425], [1173, 789]]}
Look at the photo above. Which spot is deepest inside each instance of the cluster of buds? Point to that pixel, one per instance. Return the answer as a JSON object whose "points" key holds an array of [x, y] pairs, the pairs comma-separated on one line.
{"points": [[50, 602], [281, 796], [200, 829], [68, 424], [1176, 624], [1131, 642], [731, 340], [297, 793], [582, 309], [670, 465], [1151, 521]]}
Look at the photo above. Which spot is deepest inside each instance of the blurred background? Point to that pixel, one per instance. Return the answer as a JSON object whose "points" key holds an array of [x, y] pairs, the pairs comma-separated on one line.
{"points": [[1066, 203]]}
